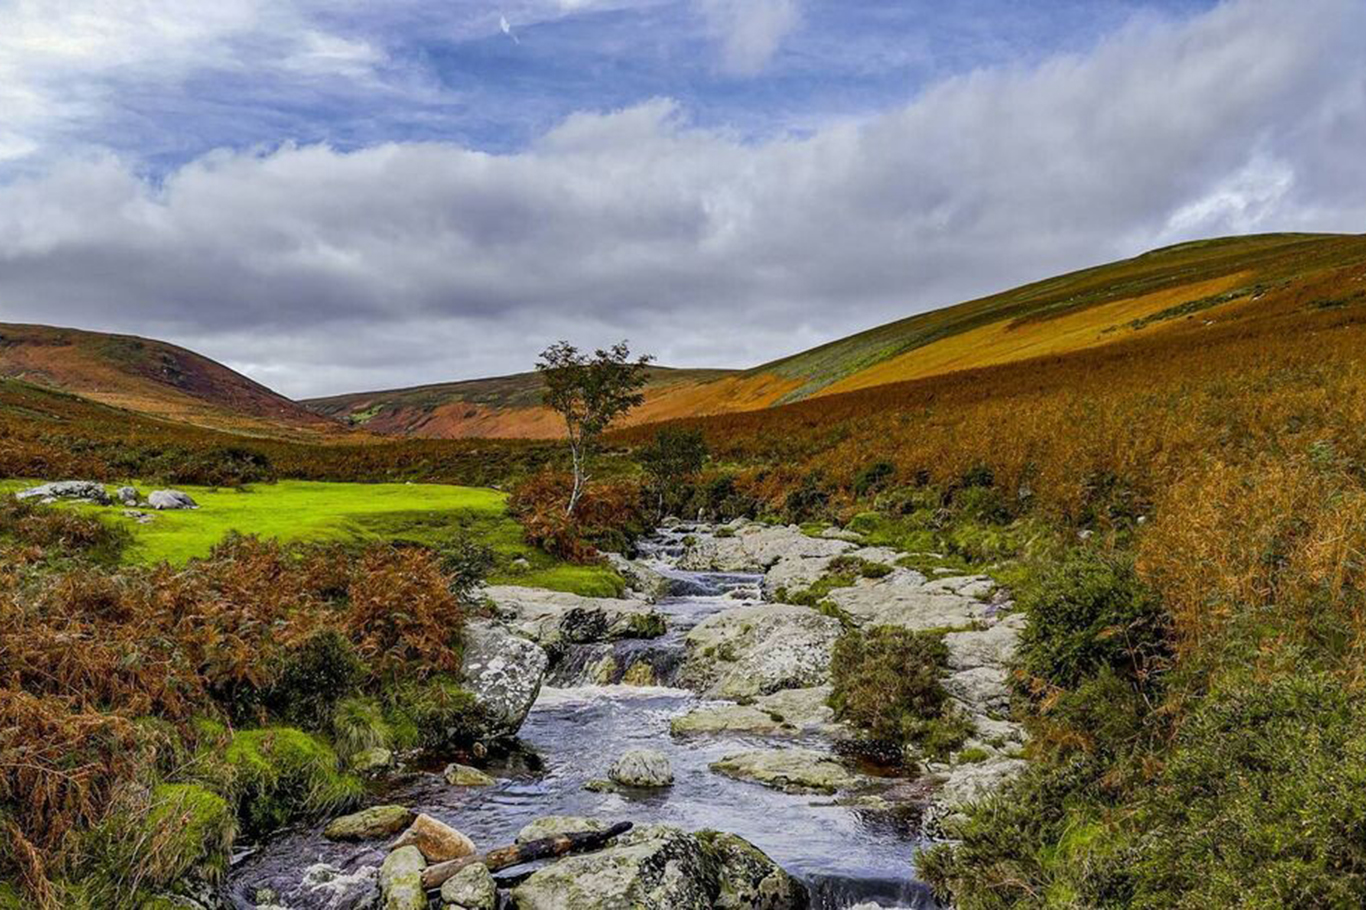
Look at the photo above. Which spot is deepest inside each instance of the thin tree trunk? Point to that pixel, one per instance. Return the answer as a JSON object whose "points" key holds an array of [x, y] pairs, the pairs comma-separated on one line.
{"points": [[434, 877]]}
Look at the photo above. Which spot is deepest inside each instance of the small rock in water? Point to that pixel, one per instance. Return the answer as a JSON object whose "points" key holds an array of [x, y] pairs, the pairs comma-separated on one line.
{"points": [[377, 821], [400, 880], [458, 775], [170, 499], [599, 785], [372, 761], [642, 768], [555, 825], [437, 840], [472, 888], [789, 770]]}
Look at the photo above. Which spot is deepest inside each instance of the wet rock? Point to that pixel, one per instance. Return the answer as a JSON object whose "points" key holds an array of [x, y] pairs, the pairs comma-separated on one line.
{"points": [[78, 490], [757, 650], [651, 867], [170, 499], [789, 770], [372, 761], [555, 825], [554, 618], [326, 887], [786, 713], [458, 775], [642, 768], [472, 888], [400, 880], [504, 673], [436, 840], [377, 821], [639, 577], [747, 879]]}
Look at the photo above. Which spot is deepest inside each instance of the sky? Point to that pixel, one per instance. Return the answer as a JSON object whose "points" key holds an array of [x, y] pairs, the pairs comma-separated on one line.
{"points": [[336, 195]]}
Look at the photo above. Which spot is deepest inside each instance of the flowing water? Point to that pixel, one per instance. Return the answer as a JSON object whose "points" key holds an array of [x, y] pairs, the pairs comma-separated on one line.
{"points": [[574, 732]]}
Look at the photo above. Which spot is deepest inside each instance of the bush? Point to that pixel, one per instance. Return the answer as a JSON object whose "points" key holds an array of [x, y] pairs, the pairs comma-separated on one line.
{"points": [[873, 477], [316, 673], [886, 682], [402, 615], [285, 774], [608, 516], [1088, 612], [436, 714]]}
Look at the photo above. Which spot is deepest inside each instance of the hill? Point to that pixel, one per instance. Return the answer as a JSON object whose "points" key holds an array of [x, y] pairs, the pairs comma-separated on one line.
{"points": [[151, 377], [1160, 291]]}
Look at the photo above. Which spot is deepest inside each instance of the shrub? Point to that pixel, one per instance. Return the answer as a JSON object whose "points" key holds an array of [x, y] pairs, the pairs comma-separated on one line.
{"points": [[402, 615], [1087, 612], [316, 673], [284, 774], [435, 714], [873, 477]]}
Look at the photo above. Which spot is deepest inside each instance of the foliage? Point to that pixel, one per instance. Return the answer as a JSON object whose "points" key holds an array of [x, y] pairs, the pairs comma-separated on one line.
{"points": [[590, 393], [402, 615], [608, 516], [435, 714], [671, 461], [284, 774]]}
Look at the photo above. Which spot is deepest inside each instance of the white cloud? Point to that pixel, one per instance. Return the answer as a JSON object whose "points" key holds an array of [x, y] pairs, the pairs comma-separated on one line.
{"points": [[749, 31], [407, 263]]}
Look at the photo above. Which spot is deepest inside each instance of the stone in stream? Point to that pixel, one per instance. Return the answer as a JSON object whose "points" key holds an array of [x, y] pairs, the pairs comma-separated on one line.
{"points": [[756, 650], [372, 761], [458, 775], [554, 618], [786, 713], [437, 841], [789, 770], [504, 673], [377, 821], [642, 768], [747, 879], [400, 880], [80, 490], [555, 825], [756, 546], [329, 888], [170, 499], [472, 888]]}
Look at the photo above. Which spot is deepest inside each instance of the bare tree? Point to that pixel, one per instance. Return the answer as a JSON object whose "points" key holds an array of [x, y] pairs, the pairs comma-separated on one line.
{"points": [[590, 393]]}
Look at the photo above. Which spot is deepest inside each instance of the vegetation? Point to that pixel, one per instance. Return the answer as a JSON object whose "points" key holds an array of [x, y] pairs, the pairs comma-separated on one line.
{"points": [[672, 462], [589, 393]]}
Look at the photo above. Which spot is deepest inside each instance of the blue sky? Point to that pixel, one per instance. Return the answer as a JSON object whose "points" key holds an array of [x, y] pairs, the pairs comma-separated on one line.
{"points": [[334, 195]]}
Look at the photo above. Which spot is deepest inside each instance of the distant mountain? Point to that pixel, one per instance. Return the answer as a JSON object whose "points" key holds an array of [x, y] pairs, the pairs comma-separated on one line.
{"points": [[1171, 289], [153, 377]]}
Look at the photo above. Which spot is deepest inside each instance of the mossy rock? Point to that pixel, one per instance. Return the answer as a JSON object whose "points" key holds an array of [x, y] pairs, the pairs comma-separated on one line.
{"points": [[285, 774]]}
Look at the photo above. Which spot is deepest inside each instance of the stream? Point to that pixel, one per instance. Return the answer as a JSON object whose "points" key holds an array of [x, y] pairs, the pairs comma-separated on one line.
{"points": [[844, 855]]}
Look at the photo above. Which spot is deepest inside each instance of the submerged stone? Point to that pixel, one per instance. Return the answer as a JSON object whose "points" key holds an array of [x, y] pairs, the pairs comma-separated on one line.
{"points": [[556, 825], [789, 770], [458, 775], [377, 821]]}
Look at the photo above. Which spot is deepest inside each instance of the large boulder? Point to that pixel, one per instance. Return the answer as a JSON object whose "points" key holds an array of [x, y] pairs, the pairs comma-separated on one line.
{"points": [[747, 878], [554, 618], [81, 490], [756, 546], [642, 768], [437, 841], [757, 650], [652, 867], [400, 880], [504, 673], [377, 821], [790, 770], [170, 499], [904, 599]]}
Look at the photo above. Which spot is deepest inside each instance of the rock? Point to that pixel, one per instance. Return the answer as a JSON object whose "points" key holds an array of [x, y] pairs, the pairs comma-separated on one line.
{"points": [[756, 546], [170, 499], [472, 888], [904, 599], [458, 775], [651, 867], [436, 840], [789, 770], [372, 761], [504, 673], [965, 783], [795, 574], [141, 518], [377, 821], [786, 713], [757, 650], [329, 888], [642, 768], [400, 880], [990, 647], [553, 618], [81, 490], [555, 825], [982, 688], [127, 495], [639, 576], [602, 785], [747, 879]]}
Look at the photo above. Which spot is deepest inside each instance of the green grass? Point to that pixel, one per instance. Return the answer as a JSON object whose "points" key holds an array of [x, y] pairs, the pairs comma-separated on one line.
{"points": [[312, 511]]}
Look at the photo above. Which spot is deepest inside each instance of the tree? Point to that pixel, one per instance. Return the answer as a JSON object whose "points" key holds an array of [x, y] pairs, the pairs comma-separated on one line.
{"points": [[590, 393], [675, 456]]}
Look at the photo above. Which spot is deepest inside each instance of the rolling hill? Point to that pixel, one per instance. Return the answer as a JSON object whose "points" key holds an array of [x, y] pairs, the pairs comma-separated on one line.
{"points": [[1169, 289], [151, 377]]}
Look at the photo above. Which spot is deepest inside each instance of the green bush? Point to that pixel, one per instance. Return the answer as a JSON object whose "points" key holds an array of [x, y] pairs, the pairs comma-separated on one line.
{"points": [[1087, 612], [434, 714], [284, 774], [315, 674], [358, 725], [873, 478]]}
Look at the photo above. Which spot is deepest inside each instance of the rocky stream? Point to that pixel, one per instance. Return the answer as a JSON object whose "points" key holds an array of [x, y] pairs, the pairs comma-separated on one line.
{"points": [[697, 704]]}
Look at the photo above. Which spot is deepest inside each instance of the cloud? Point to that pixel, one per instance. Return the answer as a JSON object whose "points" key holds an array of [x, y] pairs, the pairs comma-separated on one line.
{"points": [[320, 270], [749, 31]]}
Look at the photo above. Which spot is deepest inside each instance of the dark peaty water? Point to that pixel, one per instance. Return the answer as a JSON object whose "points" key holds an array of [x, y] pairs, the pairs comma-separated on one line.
{"points": [[844, 855]]}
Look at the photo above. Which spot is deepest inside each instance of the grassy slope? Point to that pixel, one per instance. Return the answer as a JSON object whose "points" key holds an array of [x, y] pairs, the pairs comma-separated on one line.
{"points": [[151, 377], [313, 511]]}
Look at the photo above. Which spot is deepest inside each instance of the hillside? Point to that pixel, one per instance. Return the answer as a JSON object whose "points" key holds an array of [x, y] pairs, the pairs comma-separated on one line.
{"points": [[1164, 290], [151, 377]]}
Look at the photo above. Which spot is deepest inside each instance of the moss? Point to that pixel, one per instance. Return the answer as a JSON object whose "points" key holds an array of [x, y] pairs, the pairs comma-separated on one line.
{"points": [[195, 828], [11, 898], [435, 714], [971, 756], [358, 725], [285, 774], [647, 625]]}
